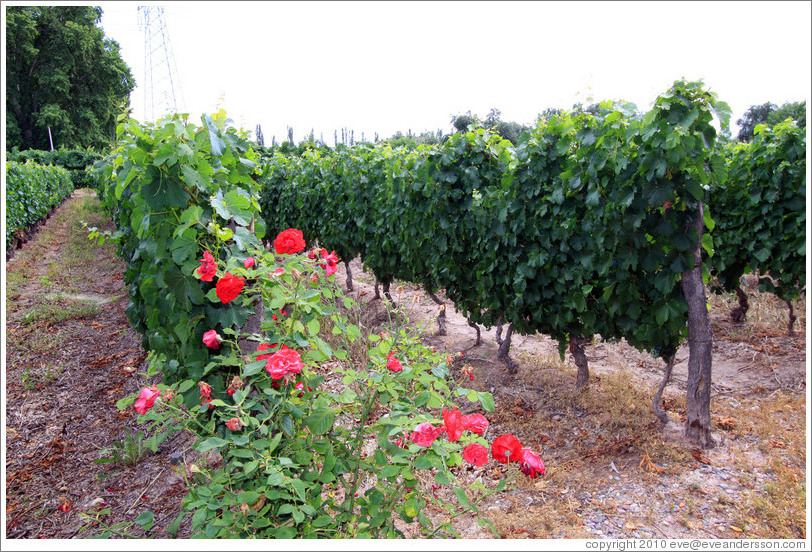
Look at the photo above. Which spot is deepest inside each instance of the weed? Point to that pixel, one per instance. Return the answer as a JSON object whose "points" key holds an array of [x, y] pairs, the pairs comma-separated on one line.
{"points": [[40, 378], [128, 451], [95, 519]]}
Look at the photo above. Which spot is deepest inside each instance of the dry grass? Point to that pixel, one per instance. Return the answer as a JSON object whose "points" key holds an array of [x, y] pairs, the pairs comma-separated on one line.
{"points": [[767, 316], [776, 507]]}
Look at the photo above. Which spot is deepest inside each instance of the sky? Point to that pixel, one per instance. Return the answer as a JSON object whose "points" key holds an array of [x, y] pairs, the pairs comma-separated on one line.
{"points": [[383, 67]]}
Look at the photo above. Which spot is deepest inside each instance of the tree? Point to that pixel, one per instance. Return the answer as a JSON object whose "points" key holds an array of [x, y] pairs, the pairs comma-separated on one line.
{"points": [[260, 137], [462, 122], [756, 115], [63, 74], [792, 110]]}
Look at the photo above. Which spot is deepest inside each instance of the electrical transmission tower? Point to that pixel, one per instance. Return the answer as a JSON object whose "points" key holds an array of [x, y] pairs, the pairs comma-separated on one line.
{"points": [[162, 90]]}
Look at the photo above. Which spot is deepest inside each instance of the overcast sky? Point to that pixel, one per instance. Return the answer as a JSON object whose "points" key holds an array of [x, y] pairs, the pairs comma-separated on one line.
{"points": [[388, 66]]}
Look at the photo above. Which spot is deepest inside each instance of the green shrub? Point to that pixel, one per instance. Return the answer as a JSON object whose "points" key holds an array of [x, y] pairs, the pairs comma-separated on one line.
{"points": [[32, 191], [77, 161]]}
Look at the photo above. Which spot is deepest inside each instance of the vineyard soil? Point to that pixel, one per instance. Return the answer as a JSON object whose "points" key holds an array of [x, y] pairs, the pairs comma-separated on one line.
{"points": [[612, 469]]}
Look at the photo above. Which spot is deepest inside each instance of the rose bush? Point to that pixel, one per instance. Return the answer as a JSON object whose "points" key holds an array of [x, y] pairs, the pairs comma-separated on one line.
{"points": [[311, 418], [286, 436]]}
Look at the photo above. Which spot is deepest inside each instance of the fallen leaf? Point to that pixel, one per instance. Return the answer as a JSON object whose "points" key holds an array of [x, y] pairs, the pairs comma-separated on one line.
{"points": [[727, 423], [733, 527], [647, 465]]}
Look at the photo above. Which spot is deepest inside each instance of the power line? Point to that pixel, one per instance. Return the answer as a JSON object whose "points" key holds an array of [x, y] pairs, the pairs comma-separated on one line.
{"points": [[163, 93]]}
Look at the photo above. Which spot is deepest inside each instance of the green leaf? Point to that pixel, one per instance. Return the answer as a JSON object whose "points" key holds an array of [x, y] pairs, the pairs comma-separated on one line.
{"points": [[484, 522], [239, 206], [218, 203], [198, 518], [287, 425], [321, 420], [162, 193], [172, 528], [709, 222], [425, 462], [707, 244], [462, 497], [486, 400], [253, 368], [184, 386], [389, 471], [762, 254], [441, 371], [441, 478], [211, 443], [322, 521], [194, 178], [217, 143], [661, 314], [122, 404]]}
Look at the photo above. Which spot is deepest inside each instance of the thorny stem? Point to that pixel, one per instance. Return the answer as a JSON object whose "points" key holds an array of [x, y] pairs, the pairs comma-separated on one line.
{"points": [[359, 437]]}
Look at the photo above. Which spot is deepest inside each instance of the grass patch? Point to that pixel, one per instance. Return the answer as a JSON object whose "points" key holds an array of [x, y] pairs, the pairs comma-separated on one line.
{"points": [[56, 260], [52, 311]]}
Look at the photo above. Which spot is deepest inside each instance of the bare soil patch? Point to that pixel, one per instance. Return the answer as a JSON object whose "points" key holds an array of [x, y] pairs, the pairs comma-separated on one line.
{"points": [[612, 469]]}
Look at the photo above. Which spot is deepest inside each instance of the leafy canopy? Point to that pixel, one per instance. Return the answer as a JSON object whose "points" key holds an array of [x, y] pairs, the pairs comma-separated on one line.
{"points": [[62, 73]]}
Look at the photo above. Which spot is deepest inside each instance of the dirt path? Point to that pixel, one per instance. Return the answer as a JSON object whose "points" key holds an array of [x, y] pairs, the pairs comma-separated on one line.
{"points": [[70, 355], [612, 471]]}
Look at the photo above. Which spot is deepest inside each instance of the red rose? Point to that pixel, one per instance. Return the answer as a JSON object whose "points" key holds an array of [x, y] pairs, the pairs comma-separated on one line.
{"points": [[283, 362], [146, 399], [393, 363], [530, 463], [425, 434], [211, 339], [453, 423], [208, 267], [506, 448], [332, 260], [475, 454], [248, 262], [476, 423], [234, 424], [289, 241], [229, 287]]}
